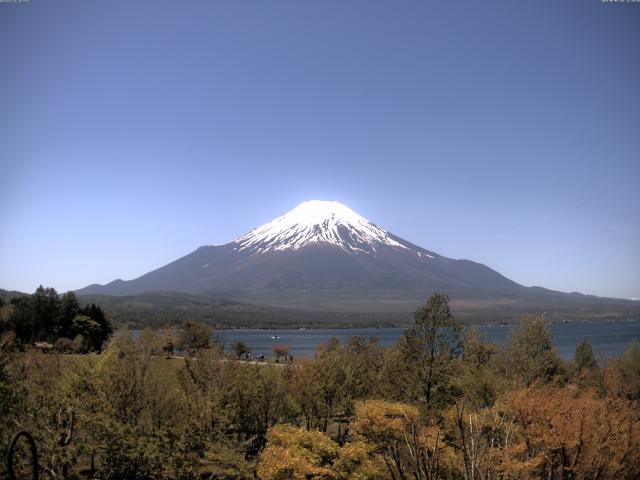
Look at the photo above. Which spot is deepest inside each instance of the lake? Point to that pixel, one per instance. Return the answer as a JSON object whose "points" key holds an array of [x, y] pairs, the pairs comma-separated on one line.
{"points": [[608, 338]]}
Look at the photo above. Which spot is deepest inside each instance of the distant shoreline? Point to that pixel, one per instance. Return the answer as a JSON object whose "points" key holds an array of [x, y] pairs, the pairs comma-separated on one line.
{"points": [[406, 325], [315, 327]]}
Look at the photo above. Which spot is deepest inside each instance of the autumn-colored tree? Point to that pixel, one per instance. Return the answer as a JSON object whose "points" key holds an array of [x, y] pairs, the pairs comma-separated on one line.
{"points": [[561, 434], [281, 351], [297, 454], [483, 436], [622, 375], [409, 448]]}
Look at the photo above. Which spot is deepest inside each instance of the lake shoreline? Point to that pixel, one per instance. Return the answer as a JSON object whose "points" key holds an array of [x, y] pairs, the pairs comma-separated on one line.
{"points": [[609, 338], [407, 325]]}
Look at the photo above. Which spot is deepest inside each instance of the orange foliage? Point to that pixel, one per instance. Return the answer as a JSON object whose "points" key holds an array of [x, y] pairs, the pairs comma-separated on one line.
{"points": [[564, 434]]}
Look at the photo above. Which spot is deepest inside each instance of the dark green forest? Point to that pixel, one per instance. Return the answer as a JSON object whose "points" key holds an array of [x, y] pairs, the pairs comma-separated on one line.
{"points": [[53, 320]]}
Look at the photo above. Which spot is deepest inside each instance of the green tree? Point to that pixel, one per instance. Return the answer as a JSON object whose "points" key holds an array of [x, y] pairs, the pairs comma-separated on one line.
{"points": [[240, 348], [362, 362], [430, 348], [478, 378], [6, 312], [529, 354], [45, 306], [194, 336], [90, 332], [584, 358], [68, 310], [22, 320], [44, 316], [95, 313], [320, 385]]}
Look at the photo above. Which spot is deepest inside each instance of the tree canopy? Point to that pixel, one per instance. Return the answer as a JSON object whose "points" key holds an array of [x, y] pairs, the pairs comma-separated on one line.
{"points": [[57, 319]]}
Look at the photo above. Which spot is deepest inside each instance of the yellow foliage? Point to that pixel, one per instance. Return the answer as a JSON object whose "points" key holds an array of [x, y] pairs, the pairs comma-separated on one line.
{"points": [[579, 433], [358, 461], [381, 421], [293, 453]]}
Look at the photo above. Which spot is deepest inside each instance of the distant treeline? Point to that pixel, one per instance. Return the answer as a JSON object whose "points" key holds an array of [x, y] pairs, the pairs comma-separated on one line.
{"points": [[53, 320], [171, 309], [160, 309]]}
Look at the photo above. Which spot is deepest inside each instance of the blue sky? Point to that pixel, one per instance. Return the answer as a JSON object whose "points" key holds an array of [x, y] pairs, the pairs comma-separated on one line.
{"points": [[132, 132]]}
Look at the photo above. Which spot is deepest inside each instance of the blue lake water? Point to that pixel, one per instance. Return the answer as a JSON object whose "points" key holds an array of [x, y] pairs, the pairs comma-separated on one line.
{"points": [[609, 339]]}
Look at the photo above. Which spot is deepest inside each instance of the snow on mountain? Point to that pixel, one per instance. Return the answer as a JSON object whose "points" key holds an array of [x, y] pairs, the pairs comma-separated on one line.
{"points": [[316, 222], [324, 257]]}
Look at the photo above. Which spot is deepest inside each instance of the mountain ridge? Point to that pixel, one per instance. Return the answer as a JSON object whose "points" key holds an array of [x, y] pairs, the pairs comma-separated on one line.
{"points": [[324, 256]]}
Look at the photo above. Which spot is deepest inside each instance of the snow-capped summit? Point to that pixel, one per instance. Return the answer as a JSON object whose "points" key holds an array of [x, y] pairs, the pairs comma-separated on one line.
{"points": [[324, 257], [314, 222]]}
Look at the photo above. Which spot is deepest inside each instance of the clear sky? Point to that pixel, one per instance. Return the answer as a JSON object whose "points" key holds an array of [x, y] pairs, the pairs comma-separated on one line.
{"points": [[506, 132]]}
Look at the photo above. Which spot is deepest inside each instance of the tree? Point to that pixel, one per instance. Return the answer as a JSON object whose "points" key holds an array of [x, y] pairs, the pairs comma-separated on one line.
{"points": [[362, 361], [45, 307], [195, 336], [22, 320], [6, 312], [255, 398], [584, 357], [308, 455], [294, 453], [68, 310], [240, 348], [478, 378], [482, 436], [529, 354], [563, 435], [281, 351], [430, 347], [95, 313], [623, 374], [320, 385], [88, 331], [409, 447], [44, 316], [167, 341]]}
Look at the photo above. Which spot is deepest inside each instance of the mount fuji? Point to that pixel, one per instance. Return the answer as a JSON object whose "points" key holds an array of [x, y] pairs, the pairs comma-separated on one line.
{"points": [[323, 256]]}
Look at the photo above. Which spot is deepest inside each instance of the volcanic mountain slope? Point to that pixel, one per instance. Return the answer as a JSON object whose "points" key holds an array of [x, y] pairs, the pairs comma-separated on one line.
{"points": [[324, 256]]}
